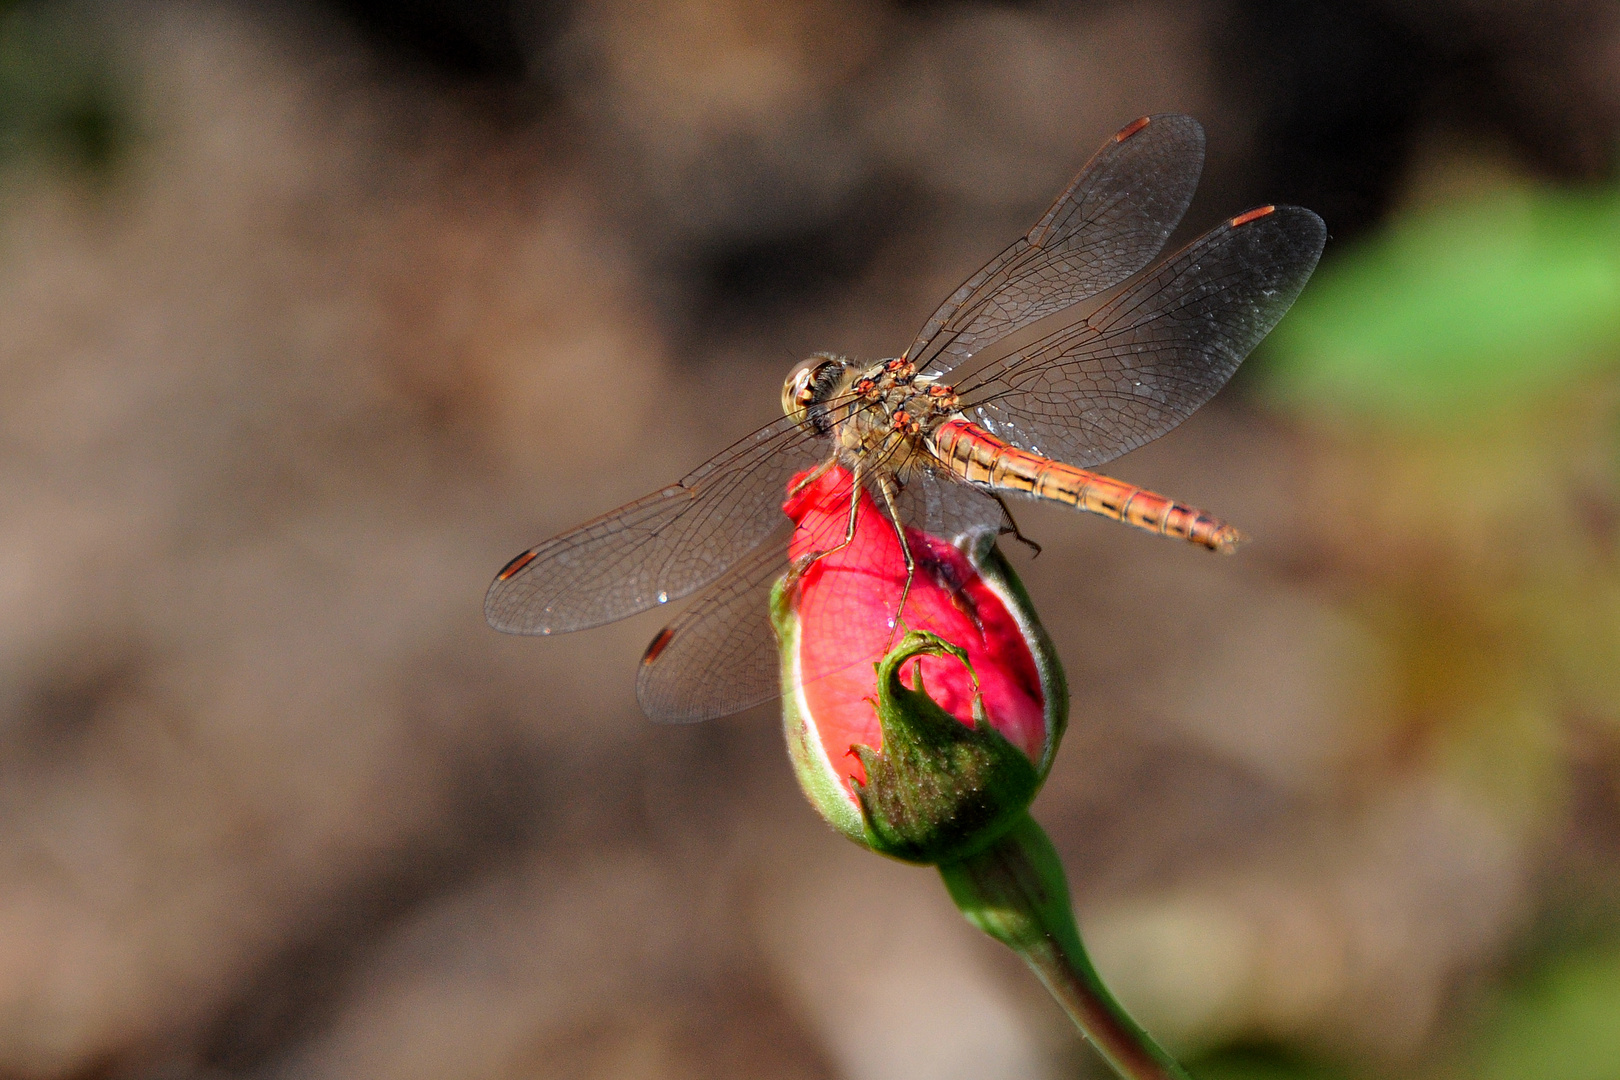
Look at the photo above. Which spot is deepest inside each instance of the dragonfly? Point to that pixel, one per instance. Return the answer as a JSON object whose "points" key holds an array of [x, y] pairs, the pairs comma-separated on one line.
{"points": [[1062, 353]]}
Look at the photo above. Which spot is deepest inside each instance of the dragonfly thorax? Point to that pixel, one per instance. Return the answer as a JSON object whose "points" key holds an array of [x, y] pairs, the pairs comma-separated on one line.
{"points": [[881, 412]]}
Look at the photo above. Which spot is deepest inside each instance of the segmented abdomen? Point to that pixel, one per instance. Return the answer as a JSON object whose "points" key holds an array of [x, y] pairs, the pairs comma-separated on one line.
{"points": [[977, 456]]}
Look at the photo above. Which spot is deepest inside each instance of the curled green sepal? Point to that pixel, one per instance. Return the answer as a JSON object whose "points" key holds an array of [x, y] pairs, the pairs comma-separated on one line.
{"points": [[938, 789], [1014, 890]]}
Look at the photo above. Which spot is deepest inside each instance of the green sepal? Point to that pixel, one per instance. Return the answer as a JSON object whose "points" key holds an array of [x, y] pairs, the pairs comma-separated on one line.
{"points": [[1016, 892], [939, 789]]}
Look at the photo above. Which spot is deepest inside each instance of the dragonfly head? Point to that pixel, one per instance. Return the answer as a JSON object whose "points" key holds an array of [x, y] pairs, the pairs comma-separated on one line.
{"points": [[808, 387]]}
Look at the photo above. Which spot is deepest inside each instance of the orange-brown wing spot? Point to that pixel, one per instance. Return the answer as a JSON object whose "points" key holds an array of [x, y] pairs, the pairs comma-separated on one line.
{"points": [[659, 644], [516, 564], [1132, 128], [1251, 215]]}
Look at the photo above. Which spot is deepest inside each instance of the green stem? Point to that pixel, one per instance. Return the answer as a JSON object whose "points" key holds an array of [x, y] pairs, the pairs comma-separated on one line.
{"points": [[1015, 891]]}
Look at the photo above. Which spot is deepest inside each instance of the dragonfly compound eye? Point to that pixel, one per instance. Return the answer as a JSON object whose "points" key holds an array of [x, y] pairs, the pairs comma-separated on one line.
{"points": [[809, 384]]}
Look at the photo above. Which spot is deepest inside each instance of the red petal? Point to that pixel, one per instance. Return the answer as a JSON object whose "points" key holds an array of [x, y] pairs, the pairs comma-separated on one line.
{"points": [[847, 603]]}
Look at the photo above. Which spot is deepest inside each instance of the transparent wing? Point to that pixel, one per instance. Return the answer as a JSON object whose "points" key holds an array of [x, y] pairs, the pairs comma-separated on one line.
{"points": [[657, 548], [1109, 223], [719, 656], [943, 506], [1144, 361]]}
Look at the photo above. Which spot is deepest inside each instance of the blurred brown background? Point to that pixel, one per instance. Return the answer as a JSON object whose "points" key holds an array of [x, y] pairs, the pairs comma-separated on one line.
{"points": [[311, 316]]}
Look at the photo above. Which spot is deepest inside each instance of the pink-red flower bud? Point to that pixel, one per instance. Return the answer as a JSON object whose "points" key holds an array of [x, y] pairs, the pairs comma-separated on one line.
{"points": [[870, 742]]}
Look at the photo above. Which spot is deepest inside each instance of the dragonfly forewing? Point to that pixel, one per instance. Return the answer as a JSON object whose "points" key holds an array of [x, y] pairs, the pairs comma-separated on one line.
{"points": [[658, 548], [1109, 223]]}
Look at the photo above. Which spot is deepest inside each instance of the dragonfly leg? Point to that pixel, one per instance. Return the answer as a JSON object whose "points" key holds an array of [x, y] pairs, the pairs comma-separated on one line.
{"points": [[890, 495], [804, 562], [1012, 525], [813, 475]]}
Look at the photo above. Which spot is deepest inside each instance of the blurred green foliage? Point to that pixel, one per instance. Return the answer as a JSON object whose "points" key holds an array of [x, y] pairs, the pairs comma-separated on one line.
{"points": [[1468, 353], [1468, 358], [61, 95], [1457, 307], [1561, 1022]]}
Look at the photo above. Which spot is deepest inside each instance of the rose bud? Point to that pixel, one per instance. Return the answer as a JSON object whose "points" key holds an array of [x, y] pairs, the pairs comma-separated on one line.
{"points": [[922, 736]]}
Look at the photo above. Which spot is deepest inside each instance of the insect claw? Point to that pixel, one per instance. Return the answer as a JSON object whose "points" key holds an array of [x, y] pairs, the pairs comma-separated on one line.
{"points": [[1034, 548]]}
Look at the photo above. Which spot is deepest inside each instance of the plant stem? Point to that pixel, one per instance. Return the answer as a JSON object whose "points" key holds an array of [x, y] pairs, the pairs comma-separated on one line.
{"points": [[1015, 891]]}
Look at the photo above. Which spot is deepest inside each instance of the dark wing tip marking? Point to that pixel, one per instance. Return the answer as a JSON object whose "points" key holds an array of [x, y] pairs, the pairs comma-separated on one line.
{"points": [[659, 644], [511, 568], [1251, 215], [1132, 128]]}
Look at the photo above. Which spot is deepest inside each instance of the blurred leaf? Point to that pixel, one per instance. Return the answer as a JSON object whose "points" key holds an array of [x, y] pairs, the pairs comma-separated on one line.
{"points": [[1561, 1024], [1457, 307]]}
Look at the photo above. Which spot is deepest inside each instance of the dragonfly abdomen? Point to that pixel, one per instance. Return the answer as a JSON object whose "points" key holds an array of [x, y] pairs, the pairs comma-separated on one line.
{"points": [[979, 457]]}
